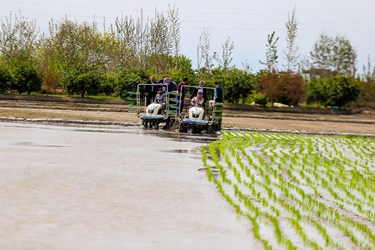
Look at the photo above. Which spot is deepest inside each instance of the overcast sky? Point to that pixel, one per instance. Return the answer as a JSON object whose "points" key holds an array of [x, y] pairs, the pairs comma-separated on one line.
{"points": [[246, 22]]}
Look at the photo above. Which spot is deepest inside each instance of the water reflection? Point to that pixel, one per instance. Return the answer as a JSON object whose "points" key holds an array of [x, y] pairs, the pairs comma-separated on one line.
{"points": [[33, 144], [170, 134], [178, 136], [64, 187]]}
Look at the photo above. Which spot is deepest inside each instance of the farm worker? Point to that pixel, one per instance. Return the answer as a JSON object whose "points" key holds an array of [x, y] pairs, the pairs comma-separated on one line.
{"points": [[200, 86], [181, 94], [151, 90], [198, 100], [219, 94], [169, 85], [160, 96]]}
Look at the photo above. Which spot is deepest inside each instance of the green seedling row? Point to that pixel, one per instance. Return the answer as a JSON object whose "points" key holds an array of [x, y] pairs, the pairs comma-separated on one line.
{"points": [[312, 191]]}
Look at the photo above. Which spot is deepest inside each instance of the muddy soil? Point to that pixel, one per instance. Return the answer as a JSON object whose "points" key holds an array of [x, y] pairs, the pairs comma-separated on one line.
{"points": [[291, 122]]}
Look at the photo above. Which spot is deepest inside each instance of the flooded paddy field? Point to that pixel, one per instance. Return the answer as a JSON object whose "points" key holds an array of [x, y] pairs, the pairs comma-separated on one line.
{"points": [[299, 191], [103, 188]]}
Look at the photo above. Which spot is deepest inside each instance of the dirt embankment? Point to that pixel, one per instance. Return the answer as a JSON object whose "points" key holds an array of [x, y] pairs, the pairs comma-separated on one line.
{"points": [[86, 111]]}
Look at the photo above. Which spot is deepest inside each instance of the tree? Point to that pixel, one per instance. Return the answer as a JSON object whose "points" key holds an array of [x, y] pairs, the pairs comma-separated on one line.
{"points": [[123, 32], [367, 95], [368, 71], [26, 78], [237, 84], [291, 48], [226, 56], [18, 43], [293, 88], [184, 69], [334, 54], [68, 48], [204, 59], [127, 81], [160, 43], [18, 37], [271, 52], [5, 79], [83, 83], [333, 91], [284, 87], [174, 33]]}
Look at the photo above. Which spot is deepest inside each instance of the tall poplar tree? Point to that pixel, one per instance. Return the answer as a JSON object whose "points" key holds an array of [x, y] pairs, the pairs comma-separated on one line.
{"points": [[291, 36]]}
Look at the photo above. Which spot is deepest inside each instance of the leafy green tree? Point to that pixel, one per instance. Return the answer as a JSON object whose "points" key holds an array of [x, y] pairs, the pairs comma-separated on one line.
{"points": [[237, 84], [25, 78], [127, 81], [18, 43], [334, 54], [5, 79], [107, 85], [333, 91], [75, 47], [83, 83], [183, 70]]}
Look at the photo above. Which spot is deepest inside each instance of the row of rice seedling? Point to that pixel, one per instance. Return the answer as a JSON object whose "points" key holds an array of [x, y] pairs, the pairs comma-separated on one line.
{"points": [[298, 191]]}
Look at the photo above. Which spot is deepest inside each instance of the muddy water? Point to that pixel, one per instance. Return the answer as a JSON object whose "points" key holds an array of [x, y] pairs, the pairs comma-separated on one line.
{"points": [[97, 188]]}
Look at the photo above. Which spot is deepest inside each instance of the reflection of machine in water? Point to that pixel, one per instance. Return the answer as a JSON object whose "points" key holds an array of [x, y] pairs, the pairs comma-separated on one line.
{"points": [[200, 119], [154, 114]]}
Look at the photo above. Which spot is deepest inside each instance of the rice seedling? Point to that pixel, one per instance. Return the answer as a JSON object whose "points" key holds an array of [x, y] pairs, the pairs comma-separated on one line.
{"points": [[319, 180]]}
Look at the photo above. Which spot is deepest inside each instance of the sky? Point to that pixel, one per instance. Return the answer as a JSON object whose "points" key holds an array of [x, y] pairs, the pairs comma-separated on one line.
{"points": [[246, 22]]}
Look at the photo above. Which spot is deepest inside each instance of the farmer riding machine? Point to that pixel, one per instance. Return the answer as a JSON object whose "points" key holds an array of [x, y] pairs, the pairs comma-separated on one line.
{"points": [[156, 113], [200, 118]]}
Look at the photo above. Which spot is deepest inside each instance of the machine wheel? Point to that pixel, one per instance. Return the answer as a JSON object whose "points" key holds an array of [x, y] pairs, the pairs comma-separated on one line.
{"points": [[197, 131], [210, 129], [145, 124], [183, 129], [166, 126], [169, 123], [219, 125]]}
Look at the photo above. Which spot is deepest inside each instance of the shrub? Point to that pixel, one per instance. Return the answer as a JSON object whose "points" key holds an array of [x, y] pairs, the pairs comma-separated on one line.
{"points": [[127, 81], [259, 99], [333, 91], [83, 83], [26, 79], [284, 87], [5, 79]]}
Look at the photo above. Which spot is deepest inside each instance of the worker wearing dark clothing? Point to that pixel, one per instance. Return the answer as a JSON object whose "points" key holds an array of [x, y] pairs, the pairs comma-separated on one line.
{"points": [[151, 90], [169, 85], [219, 92], [181, 94]]}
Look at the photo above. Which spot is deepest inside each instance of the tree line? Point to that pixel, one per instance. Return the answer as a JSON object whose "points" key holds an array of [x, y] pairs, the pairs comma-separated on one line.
{"points": [[79, 58]]}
